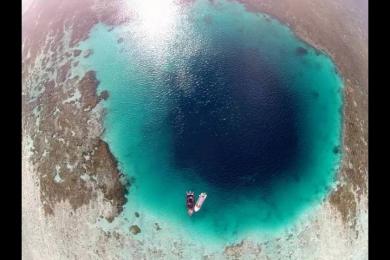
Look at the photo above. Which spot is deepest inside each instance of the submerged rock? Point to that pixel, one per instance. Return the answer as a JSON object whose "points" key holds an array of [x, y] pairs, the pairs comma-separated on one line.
{"points": [[157, 226], [301, 51], [135, 229]]}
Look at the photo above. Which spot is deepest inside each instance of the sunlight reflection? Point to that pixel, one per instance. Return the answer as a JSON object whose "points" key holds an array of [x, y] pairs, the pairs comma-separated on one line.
{"points": [[157, 18]]}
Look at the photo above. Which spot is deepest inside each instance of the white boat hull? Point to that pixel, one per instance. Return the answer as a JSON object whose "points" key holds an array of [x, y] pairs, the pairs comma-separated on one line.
{"points": [[199, 203]]}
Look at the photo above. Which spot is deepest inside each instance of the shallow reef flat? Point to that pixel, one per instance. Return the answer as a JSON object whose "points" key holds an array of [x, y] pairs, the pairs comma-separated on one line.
{"points": [[73, 191]]}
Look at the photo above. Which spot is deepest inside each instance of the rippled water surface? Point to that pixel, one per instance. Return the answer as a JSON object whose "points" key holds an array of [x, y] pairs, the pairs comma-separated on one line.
{"points": [[209, 97]]}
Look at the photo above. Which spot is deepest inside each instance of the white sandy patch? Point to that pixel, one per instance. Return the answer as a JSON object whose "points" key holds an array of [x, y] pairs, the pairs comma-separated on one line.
{"points": [[70, 166], [56, 111], [57, 177], [68, 234], [320, 234], [73, 98], [95, 128], [85, 177]]}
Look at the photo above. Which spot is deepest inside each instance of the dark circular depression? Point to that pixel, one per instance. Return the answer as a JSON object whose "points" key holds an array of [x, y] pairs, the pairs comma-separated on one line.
{"points": [[235, 122]]}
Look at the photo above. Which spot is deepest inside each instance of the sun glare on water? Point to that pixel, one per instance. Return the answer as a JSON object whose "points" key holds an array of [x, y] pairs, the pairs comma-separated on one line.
{"points": [[157, 18], [155, 27]]}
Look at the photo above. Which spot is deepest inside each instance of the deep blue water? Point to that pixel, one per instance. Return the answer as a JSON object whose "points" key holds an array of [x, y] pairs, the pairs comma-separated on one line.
{"points": [[212, 98], [237, 128]]}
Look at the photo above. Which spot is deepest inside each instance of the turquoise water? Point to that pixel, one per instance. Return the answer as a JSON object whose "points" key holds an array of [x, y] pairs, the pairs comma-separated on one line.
{"points": [[218, 59]]}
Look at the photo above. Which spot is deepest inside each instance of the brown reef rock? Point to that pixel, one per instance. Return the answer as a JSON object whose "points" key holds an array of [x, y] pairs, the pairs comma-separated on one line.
{"points": [[340, 29], [60, 110]]}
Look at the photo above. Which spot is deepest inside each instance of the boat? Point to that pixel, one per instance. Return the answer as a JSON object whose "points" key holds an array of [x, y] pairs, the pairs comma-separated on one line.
{"points": [[199, 203], [190, 202]]}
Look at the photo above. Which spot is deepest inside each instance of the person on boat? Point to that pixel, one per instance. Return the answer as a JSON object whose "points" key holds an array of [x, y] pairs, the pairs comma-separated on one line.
{"points": [[190, 202]]}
